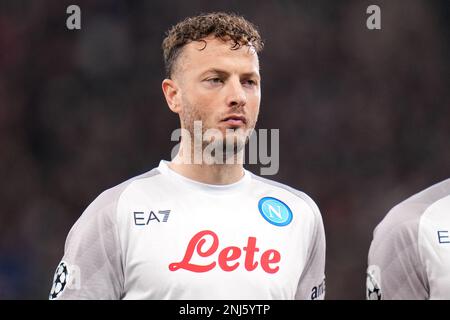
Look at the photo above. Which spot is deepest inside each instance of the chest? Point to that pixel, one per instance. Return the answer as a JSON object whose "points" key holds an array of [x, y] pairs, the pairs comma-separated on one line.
{"points": [[211, 248]]}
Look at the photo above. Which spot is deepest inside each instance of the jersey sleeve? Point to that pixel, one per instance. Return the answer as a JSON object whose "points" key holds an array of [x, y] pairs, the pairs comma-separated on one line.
{"points": [[395, 270], [91, 267], [312, 281]]}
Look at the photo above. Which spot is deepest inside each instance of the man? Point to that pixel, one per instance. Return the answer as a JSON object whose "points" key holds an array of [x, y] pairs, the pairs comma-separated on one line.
{"points": [[409, 257], [207, 230]]}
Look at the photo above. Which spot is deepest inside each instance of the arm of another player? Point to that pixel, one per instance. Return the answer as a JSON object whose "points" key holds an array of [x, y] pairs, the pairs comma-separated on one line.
{"points": [[395, 270]]}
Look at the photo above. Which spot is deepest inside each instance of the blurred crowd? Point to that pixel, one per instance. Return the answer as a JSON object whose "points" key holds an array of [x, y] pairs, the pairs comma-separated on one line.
{"points": [[364, 116]]}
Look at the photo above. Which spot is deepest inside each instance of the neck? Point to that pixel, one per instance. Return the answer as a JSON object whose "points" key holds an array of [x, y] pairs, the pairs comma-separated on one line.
{"points": [[219, 174]]}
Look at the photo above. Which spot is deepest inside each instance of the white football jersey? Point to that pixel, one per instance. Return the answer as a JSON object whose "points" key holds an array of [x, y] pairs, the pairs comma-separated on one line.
{"points": [[409, 257], [163, 236]]}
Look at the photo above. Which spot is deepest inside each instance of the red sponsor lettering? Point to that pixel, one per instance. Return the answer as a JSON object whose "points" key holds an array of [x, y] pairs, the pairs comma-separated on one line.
{"points": [[228, 256]]}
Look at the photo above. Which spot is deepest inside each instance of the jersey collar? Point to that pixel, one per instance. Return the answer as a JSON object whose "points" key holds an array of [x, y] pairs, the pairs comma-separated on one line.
{"points": [[210, 188]]}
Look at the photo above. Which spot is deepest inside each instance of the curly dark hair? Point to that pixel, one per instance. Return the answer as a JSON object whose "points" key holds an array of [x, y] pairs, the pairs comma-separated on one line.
{"points": [[225, 26]]}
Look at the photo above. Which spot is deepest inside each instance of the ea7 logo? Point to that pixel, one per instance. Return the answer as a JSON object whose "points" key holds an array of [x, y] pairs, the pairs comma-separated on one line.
{"points": [[142, 218]]}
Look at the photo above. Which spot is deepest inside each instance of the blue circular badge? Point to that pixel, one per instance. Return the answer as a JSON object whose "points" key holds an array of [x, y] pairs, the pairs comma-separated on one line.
{"points": [[275, 211]]}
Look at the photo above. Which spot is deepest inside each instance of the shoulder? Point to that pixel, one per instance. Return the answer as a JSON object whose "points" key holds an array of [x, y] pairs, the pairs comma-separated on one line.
{"points": [[104, 205], [405, 218]]}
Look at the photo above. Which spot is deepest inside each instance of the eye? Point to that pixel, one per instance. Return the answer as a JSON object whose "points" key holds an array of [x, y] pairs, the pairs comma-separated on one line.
{"points": [[250, 83], [214, 80]]}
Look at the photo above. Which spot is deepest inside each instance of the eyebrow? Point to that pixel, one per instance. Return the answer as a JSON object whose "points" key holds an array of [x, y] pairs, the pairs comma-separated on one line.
{"points": [[226, 73]]}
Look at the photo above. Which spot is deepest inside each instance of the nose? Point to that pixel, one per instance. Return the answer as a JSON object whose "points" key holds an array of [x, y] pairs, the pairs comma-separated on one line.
{"points": [[236, 96]]}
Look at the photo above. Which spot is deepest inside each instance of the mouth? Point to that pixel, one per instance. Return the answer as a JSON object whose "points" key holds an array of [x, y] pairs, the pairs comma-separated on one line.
{"points": [[235, 120]]}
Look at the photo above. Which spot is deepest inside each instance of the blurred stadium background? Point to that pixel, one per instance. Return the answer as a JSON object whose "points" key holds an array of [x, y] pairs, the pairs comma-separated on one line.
{"points": [[364, 116]]}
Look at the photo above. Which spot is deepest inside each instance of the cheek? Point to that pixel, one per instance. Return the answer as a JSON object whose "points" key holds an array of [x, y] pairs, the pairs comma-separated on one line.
{"points": [[210, 101], [209, 106], [201, 99], [198, 107], [253, 104]]}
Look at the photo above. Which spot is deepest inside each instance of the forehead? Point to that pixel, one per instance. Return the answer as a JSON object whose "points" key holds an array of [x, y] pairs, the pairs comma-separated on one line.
{"points": [[212, 52]]}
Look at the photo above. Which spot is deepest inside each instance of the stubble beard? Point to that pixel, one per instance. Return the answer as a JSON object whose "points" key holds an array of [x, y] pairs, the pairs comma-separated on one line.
{"points": [[231, 143]]}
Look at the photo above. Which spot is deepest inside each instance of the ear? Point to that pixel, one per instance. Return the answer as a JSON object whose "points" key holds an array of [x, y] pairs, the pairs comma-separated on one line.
{"points": [[172, 93]]}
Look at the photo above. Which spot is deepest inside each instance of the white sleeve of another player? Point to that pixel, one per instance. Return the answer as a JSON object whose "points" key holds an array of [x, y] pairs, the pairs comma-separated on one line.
{"points": [[91, 267], [312, 281], [394, 268]]}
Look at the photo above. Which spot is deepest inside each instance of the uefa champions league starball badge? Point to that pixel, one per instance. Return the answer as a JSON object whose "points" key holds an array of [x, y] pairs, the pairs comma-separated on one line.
{"points": [[373, 289], [60, 280]]}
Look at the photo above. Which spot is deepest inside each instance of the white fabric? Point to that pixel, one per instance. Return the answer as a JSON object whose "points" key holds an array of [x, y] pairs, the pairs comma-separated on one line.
{"points": [[409, 257], [119, 249]]}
